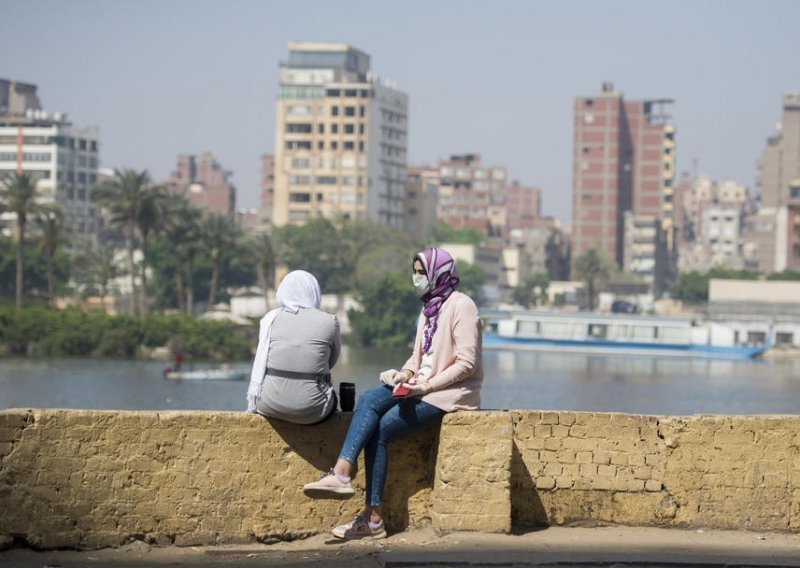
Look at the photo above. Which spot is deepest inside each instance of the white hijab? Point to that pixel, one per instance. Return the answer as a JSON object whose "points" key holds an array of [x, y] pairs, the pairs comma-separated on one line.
{"points": [[298, 289]]}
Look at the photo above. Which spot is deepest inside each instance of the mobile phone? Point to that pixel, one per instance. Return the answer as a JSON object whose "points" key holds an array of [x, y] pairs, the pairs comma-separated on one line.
{"points": [[402, 391]]}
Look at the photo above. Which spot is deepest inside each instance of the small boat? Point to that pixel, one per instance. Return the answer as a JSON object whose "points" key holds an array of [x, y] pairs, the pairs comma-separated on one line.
{"points": [[209, 374], [620, 334]]}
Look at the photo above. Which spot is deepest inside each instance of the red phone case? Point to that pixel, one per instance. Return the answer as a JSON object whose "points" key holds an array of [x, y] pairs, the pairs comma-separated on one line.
{"points": [[401, 392]]}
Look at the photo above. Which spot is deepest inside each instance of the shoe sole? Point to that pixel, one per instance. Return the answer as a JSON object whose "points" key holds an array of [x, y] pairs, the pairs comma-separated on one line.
{"points": [[317, 492], [365, 537]]}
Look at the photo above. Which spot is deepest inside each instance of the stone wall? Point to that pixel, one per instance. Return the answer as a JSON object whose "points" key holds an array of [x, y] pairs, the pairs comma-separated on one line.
{"points": [[71, 478]]}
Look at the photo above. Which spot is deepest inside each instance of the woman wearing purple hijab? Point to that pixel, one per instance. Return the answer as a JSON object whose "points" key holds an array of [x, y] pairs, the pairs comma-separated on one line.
{"points": [[443, 374]]}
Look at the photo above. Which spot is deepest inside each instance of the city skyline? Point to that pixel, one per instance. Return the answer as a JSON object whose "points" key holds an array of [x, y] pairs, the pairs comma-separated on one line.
{"points": [[499, 80]]}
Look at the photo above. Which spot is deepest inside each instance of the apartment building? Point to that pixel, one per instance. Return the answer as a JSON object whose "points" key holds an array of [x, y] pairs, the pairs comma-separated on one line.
{"points": [[340, 138], [63, 158], [623, 161]]}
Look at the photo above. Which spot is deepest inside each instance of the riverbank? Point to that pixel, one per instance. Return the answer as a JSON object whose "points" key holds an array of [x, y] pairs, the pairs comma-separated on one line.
{"points": [[40, 331], [575, 546]]}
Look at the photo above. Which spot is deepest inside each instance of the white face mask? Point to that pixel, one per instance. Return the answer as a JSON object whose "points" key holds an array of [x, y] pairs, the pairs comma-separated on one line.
{"points": [[420, 283]]}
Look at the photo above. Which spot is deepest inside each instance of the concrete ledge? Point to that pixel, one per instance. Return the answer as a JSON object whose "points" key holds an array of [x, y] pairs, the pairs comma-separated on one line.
{"points": [[72, 478]]}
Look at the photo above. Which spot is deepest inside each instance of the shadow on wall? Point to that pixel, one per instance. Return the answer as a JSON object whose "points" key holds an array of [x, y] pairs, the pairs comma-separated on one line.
{"points": [[527, 509], [412, 466]]}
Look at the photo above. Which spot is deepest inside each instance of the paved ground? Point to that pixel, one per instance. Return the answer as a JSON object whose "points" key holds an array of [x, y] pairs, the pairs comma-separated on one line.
{"points": [[556, 546]]}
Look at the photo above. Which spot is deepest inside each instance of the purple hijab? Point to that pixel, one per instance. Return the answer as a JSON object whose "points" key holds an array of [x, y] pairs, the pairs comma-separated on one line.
{"points": [[440, 268]]}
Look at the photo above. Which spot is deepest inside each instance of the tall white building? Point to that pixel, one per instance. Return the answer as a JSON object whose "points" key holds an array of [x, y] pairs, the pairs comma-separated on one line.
{"points": [[64, 160], [340, 139]]}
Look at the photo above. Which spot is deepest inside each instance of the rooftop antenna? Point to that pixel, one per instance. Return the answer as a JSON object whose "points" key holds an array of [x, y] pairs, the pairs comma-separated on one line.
{"points": [[695, 165]]}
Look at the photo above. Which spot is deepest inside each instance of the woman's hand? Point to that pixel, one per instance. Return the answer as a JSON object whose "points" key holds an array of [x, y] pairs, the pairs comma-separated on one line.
{"points": [[415, 389], [393, 377]]}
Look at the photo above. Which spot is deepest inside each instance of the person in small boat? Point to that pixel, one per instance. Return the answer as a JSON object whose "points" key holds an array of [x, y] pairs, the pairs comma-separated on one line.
{"points": [[444, 374], [297, 346]]}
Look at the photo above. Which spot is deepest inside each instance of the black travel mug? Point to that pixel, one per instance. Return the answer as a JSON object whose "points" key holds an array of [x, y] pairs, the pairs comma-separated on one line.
{"points": [[347, 396]]}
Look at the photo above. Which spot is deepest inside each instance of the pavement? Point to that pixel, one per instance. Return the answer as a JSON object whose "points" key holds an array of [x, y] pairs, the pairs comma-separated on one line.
{"points": [[573, 547]]}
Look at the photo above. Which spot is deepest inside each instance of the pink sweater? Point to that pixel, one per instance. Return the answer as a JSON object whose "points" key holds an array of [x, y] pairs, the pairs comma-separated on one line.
{"points": [[457, 371]]}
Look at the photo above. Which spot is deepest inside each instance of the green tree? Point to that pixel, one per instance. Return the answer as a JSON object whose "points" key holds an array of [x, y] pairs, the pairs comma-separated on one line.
{"points": [[122, 195], [260, 248], [316, 248], [18, 194], [389, 310], [445, 233], [690, 288], [592, 268], [532, 290], [50, 222], [98, 267], [786, 274], [148, 221], [35, 269], [471, 278], [182, 227], [220, 234]]}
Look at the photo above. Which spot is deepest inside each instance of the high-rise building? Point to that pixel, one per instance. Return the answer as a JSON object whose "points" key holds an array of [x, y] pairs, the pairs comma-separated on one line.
{"points": [[205, 182], [623, 161], [340, 138], [523, 206], [63, 158], [779, 180], [421, 200], [472, 195]]}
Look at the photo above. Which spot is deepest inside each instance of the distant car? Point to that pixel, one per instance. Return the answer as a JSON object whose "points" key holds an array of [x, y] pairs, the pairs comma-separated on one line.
{"points": [[623, 307]]}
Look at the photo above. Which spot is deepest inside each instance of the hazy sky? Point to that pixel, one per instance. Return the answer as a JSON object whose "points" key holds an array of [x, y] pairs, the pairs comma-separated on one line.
{"points": [[163, 77]]}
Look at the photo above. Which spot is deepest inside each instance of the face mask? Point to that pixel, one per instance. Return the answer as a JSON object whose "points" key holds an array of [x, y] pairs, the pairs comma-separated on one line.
{"points": [[420, 284]]}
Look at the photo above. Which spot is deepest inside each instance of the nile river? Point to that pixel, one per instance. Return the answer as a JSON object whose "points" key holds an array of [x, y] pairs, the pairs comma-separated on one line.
{"points": [[514, 380]]}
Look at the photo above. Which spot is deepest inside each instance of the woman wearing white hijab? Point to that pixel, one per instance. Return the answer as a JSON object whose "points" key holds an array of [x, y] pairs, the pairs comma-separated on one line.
{"points": [[297, 346]]}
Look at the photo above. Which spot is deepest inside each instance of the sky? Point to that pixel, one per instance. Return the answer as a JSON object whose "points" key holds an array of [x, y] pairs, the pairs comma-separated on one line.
{"points": [[166, 77]]}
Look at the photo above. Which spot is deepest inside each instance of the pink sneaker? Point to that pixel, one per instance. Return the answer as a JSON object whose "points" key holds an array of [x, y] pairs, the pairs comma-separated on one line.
{"points": [[328, 485], [359, 528]]}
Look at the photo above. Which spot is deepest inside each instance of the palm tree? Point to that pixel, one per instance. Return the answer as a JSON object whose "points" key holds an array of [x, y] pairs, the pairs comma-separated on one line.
{"points": [[261, 247], [148, 221], [220, 233], [181, 222], [122, 195], [19, 196], [51, 228], [591, 267], [101, 267]]}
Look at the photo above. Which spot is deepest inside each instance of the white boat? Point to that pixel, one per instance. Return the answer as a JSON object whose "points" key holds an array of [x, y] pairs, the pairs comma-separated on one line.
{"points": [[209, 374], [622, 334]]}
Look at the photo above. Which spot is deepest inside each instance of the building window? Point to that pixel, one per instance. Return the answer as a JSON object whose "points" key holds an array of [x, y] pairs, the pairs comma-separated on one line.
{"points": [[301, 128], [335, 111], [293, 145], [349, 146], [349, 111], [300, 198], [321, 128], [300, 163], [334, 128], [351, 93], [299, 180], [360, 146], [334, 145], [326, 180], [333, 92], [349, 128], [361, 110], [320, 145]]}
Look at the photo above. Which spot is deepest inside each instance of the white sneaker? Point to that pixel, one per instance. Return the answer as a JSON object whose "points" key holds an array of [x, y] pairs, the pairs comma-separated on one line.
{"points": [[329, 484]]}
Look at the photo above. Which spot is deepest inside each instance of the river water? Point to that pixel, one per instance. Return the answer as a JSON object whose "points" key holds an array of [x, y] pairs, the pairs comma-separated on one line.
{"points": [[514, 380]]}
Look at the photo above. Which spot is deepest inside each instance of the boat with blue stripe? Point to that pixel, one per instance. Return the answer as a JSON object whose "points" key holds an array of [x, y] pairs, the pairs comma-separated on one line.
{"points": [[588, 332]]}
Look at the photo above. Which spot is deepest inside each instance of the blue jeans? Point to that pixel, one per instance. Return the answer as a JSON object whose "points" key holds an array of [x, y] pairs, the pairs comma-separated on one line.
{"points": [[377, 420]]}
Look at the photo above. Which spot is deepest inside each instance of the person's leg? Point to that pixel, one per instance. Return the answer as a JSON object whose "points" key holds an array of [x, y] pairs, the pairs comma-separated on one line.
{"points": [[371, 406], [408, 418]]}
